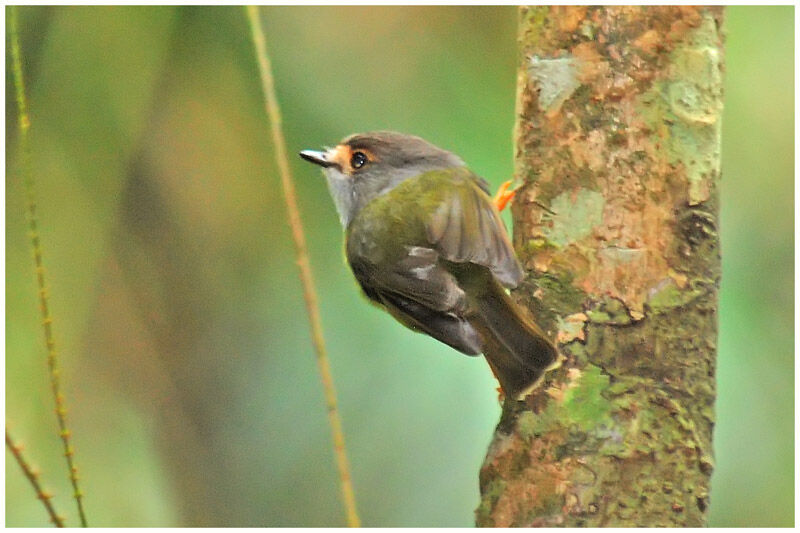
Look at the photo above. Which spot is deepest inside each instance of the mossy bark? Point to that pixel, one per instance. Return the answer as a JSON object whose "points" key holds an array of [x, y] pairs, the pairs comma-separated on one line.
{"points": [[618, 150]]}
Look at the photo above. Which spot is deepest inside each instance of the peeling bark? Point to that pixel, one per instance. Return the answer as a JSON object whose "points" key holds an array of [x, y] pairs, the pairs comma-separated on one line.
{"points": [[618, 147]]}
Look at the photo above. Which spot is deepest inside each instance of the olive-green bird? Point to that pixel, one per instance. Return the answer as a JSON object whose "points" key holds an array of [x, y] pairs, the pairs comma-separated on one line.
{"points": [[425, 242]]}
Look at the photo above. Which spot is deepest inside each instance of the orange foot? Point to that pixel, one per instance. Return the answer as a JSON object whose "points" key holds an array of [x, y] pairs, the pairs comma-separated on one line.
{"points": [[504, 196]]}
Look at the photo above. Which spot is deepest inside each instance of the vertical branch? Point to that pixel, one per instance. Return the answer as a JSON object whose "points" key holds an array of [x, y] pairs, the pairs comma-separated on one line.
{"points": [[33, 478], [618, 146], [309, 292], [24, 124]]}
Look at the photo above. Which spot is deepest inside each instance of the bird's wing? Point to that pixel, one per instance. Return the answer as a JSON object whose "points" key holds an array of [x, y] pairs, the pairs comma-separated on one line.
{"points": [[421, 294], [458, 224], [466, 228], [444, 327]]}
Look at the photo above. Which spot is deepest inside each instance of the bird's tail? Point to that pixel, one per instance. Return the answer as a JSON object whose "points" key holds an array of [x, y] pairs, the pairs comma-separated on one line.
{"points": [[516, 349]]}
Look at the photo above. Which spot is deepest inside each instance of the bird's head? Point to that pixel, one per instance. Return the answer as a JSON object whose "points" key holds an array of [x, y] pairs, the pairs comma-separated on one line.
{"points": [[366, 165]]}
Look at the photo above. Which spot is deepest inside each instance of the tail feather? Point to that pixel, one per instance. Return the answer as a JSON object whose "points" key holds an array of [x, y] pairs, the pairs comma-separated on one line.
{"points": [[516, 349]]}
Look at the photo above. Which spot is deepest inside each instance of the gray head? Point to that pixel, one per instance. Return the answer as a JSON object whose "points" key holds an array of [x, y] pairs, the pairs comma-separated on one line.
{"points": [[366, 165]]}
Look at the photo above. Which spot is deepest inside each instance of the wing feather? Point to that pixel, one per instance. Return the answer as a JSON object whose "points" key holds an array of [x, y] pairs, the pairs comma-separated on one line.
{"points": [[466, 228], [397, 256]]}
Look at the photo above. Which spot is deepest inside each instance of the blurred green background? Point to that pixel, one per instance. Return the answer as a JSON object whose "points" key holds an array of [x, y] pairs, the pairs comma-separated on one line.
{"points": [[193, 391]]}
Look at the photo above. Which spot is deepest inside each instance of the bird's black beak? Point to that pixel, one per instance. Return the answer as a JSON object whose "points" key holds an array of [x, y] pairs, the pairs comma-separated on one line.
{"points": [[316, 157]]}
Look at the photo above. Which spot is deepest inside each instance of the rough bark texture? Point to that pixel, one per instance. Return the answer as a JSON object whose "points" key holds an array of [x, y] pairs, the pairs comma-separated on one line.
{"points": [[618, 146]]}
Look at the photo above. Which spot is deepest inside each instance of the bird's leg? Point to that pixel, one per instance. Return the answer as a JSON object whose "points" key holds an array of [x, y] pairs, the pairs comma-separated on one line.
{"points": [[504, 196]]}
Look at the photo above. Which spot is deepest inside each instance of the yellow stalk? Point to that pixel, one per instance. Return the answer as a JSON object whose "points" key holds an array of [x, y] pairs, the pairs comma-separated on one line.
{"points": [[24, 124], [33, 477], [309, 292]]}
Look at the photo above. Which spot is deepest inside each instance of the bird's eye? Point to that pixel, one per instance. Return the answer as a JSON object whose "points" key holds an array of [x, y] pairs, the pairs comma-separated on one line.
{"points": [[358, 159]]}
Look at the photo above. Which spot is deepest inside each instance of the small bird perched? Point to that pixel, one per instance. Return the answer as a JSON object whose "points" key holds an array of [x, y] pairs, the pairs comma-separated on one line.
{"points": [[425, 242]]}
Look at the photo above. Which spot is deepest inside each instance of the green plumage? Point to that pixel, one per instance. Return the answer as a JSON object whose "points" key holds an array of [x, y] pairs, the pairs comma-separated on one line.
{"points": [[433, 252], [425, 242]]}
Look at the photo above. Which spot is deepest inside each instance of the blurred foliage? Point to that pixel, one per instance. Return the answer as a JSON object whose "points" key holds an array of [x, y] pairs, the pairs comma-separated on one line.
{"points": [[193, 389]]}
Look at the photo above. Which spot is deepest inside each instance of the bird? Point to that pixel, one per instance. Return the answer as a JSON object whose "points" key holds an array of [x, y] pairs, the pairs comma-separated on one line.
{"points": [[425, 242]]}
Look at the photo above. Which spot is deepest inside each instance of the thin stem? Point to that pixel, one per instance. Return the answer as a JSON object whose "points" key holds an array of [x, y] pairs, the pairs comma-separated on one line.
{"points": [[24, 124], [309, 292], [33, 477]]}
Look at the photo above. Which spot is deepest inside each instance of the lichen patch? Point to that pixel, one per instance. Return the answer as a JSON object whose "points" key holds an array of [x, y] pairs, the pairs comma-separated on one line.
{"points": [[556, 80], [574, 216]]}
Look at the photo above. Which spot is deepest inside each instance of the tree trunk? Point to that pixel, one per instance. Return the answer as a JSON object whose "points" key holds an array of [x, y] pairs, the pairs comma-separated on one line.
{"points": [[618, 147]]}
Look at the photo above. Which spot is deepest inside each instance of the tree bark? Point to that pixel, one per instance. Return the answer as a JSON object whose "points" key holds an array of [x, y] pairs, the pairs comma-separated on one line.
{"points": [[618, 148]]}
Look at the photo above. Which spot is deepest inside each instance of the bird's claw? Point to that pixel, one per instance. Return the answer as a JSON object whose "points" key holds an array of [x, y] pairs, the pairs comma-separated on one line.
{"points": [[504, 196]]}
